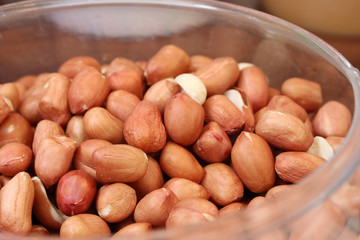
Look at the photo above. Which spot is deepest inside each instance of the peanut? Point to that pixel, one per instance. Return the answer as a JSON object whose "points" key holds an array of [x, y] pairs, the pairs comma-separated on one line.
{"points": [[176, 161], [144, 128], [191, 211], [75, 65], [222, 183], [155, 207], [75, 192], [115, 202], [213, 145], [53, 158], [88, 89], [121, 103], [14, 158], [124, 74], [181, 110], [17, 198], [294, 166], [54, 104], [84, 226], [119, 163], [100, 124], [219, 75], [304, 92], [284, 131], [253, 161], [169, 61], [332, 119], [15, 128], [254, 82], [220, 109], [184, 188]]}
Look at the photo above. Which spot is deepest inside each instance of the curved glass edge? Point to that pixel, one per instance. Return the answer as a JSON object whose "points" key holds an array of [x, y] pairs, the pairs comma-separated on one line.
{"points": [[311, 194]]}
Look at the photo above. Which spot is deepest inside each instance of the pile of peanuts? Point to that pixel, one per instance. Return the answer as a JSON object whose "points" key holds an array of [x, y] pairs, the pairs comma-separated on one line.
{"points": [[128, 147]]}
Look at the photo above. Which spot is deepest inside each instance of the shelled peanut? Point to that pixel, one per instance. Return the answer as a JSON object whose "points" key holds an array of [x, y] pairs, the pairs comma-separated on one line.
{"points": [[172, 141]]}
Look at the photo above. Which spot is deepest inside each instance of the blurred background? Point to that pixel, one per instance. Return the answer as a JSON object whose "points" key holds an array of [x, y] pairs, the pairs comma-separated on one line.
{"points": [[335, 21]]}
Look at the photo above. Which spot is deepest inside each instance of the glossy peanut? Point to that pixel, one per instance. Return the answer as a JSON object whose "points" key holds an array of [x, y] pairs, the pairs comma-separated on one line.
{"points": [[184, 188], [220, 109], [101, 124], [183, 119], [294, 166], [284, 131], [192, 211], [213, 145], [253, 81], [155, 207], [75, 192], [219, 75], [124, 74], [16, 201], [84, 225], [14, 158], [169, 61], [54, 104], [75, 65], [115, 202], [53, 158], [222, 183], [306, 93], [121, 103], [88, 89], [177, 161], [144, 128], [253, 161], [192, 86], [332, 119], [119, 163], [15, 128]]}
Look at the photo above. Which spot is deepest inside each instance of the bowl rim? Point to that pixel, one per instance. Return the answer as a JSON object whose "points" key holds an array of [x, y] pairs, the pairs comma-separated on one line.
{"points": [[277, 211]]}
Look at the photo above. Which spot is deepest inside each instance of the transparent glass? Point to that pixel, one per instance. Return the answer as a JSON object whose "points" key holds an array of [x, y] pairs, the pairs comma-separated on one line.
{"points": [[37, 36]]}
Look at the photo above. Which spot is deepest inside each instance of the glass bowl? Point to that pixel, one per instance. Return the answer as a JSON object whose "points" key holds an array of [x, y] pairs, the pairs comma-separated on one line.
{"points": [[37, 36]]}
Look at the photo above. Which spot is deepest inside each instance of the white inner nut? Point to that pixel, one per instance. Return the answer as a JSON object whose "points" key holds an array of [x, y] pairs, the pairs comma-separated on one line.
{"points": [[192, 86]]}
